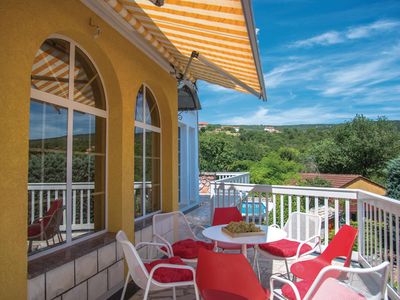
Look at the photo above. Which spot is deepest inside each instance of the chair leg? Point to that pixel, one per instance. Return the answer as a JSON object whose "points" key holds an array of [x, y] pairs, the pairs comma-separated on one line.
{"points": [[287, 269], [174, 293], [196, 291], [125, 286]]}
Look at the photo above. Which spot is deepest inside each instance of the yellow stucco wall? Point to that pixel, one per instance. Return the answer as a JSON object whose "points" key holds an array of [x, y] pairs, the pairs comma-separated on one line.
{"points": [[368, 186], [24, 25]]}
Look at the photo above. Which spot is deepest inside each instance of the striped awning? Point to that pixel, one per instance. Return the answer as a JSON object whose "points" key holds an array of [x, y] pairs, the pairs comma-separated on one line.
{"points": [[220, 33]]}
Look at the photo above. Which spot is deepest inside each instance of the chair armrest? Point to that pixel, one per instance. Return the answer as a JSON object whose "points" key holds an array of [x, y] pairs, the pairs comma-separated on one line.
{"points": [[158, 246], [164, 242], [37, 220], [275, 225], [172, 266], [274, 278], [315, 237]]}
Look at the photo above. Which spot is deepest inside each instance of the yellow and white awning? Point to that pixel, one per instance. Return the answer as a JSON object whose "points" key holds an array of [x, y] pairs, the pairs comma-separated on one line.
{"points": [[221, 33]]}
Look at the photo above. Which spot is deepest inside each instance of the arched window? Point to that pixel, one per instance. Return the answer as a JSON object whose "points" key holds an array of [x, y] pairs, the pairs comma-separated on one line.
{"points": [[147, 185], [67, 146]]}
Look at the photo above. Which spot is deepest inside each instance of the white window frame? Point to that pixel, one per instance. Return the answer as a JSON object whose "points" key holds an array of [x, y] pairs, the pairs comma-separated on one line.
{"points": [[145, 126], [71, 106]]}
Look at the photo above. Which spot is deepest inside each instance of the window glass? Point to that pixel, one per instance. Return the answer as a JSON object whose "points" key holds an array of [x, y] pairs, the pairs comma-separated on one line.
{"points": [[87, 84], [147, 156], [88, 165], [47, 174], [50, 70], [56, 149], [151, 110], [139, 176], [139, 106]]}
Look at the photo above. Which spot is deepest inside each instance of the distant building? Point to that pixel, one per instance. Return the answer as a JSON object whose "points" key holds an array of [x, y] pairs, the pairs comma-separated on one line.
{"points": [[271, 129], [203, 125], [348, 181], [228, 127]]}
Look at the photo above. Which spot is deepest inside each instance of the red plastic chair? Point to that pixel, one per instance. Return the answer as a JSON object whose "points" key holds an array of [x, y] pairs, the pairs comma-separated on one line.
{"points": [[340, 246], [227, 276], [225, 215]]}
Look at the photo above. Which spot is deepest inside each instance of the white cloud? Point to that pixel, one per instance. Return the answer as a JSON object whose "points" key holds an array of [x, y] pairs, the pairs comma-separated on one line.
{"points": [[352, 33], [303, 115], [327, 38], [367, 30]]}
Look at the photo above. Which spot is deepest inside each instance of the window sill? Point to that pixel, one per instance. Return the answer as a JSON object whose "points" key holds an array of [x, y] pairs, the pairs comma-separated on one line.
{"points": [[60, 257]]}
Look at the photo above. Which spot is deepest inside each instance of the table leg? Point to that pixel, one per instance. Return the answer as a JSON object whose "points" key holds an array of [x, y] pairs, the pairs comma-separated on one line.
{"points": [[244, 250]]}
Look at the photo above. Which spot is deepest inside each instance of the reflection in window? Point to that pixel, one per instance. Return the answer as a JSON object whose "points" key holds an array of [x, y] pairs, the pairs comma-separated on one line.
{"points": [[66, 163], [147, 186], [50, 70]]}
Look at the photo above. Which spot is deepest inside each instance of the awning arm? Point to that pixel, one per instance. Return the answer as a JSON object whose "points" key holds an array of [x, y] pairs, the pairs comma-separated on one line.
{"points": [[225, 74]]}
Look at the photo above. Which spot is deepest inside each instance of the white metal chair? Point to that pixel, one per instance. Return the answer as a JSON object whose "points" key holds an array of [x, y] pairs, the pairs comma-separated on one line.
{"points": [[173, 227], [142, 277], [336, 282], [303, 236]]}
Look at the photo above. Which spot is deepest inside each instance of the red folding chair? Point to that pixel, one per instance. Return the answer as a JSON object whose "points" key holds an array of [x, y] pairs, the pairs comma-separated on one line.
{"points": [[225, 215], [340, 246], [222, 276]]}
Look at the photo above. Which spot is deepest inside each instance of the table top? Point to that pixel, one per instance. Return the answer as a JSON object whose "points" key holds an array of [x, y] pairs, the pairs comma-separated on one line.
{"points": [[273, 234]]}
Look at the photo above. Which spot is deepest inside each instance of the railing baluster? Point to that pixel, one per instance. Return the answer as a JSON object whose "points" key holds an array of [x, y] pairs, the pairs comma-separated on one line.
{"points": [[290, 205], [380, 235], [397, 237], [391, 247], [247, 207], [274, 208], [260, 208], [65, 210], [81, 208], [282, 215], [336, 215], [375, 237], [48, 199], [253, 204], [40, 203], [88, 207], [32, 206], [347, 208], [367, 230], [385, 234], [326, 222], [74, 207], [316, 205]]}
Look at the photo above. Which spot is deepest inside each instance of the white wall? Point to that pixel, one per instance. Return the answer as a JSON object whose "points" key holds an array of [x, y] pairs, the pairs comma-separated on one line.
{"points": [[189, 156]]}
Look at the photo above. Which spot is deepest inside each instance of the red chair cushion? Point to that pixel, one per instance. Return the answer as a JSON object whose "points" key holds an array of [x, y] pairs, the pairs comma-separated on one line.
{"points": [[284, 248], [34, 229], [166, 275], [302, 287], [190, 248]]}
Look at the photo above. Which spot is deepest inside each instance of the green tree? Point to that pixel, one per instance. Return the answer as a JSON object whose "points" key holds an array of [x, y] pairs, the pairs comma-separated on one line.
{"points": [[361, 146], [393, 179], [272, 169], [216, 152]]}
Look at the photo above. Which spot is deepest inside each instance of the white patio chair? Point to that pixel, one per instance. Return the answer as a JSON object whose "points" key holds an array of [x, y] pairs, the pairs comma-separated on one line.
{"points": [[303, 236], [142, 277], [336, 282], [171, 229]]}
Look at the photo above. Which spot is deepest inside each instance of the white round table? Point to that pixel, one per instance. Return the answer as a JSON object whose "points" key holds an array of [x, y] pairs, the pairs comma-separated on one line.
{"points": [[273, 234]]}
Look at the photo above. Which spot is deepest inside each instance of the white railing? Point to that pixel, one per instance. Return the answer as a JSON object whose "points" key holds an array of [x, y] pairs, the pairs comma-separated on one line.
{"points": [[238, 177], [377, 216], [41, 194]]}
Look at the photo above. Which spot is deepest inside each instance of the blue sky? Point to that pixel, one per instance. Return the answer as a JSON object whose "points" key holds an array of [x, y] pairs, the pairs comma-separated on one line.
{"points": [[323, 62]]}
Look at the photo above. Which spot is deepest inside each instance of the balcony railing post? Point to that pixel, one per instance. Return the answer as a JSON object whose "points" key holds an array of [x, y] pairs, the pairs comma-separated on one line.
{"points": [[360, 222]]}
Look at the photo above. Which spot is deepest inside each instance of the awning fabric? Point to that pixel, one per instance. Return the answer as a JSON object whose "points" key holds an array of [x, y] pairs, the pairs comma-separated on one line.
{"points": [[220, 30]]}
